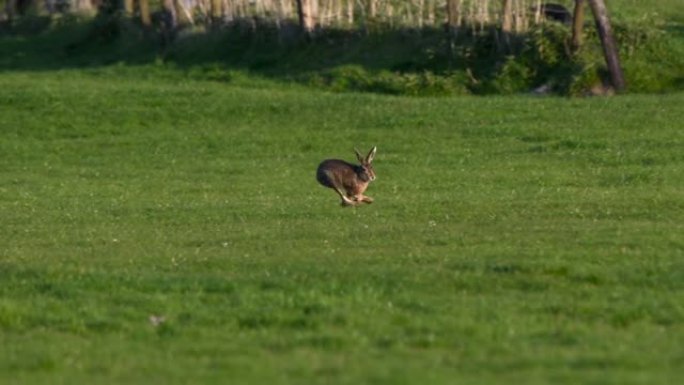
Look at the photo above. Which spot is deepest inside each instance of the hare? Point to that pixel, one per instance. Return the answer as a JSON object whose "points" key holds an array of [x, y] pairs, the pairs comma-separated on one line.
{"points": [[348, 180]]}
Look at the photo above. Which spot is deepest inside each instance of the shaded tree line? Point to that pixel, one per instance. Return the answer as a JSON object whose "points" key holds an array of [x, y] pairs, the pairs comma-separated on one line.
{"points": [[511, 17], [309, 14]]}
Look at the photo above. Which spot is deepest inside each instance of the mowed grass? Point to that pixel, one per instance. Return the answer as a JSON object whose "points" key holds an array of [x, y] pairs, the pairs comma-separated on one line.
{"points": [[171, 231]]}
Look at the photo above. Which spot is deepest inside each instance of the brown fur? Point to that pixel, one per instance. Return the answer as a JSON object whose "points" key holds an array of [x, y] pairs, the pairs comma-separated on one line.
{"points": [[348, 180]]}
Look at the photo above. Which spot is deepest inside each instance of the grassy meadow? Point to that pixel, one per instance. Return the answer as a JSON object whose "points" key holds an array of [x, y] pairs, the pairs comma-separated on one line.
{"points": [[166, 230]]}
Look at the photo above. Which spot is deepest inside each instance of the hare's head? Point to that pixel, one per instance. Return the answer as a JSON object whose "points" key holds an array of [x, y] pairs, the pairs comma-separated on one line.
{"points": [[366, 172]]}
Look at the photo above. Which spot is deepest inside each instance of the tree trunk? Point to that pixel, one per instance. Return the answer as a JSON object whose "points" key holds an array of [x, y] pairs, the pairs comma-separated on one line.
{"points": [[307, 20], [129, 7], [145, 18], [172, 16], [83, 6], [372, 9], [483, 14], [10, 9], [338, 12], [314, 13], [185, 14], [520, 15], [300, 13], [507, 24], [610, 51], [167, 22], [577, 25], [216, 12], [51, 7], [453, 15], [419, 18], [538, 12]]}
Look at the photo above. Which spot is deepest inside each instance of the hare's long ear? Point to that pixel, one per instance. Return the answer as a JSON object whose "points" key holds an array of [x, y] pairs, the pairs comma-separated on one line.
{"points": [[358, 155], [371, 154]]}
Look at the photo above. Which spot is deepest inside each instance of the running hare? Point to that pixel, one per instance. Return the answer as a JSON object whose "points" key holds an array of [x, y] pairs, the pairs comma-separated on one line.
{"points": [[348, 180]]}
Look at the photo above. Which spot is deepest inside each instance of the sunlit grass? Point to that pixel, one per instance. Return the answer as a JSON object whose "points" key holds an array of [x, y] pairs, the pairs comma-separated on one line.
{"points": [[172, 231]]}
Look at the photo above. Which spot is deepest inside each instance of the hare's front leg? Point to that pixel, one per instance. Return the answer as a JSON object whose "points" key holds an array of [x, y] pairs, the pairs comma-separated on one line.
{"points": [[364, 198]]}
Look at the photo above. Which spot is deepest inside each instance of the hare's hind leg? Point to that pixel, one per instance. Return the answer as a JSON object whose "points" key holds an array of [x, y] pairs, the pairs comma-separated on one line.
{"points": [[364, 198], [345, 200]]}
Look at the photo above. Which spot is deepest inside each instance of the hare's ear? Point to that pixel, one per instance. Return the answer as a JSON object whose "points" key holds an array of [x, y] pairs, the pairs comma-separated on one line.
{"points": [[358, 155], [371, 154]]}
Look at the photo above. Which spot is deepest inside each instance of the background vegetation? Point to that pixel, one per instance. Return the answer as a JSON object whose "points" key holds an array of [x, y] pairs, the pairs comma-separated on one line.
{"points": [[404, 56]]}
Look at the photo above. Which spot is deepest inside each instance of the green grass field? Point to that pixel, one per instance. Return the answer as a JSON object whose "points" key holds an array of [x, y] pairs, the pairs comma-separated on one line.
{"points": [[512, 240]]}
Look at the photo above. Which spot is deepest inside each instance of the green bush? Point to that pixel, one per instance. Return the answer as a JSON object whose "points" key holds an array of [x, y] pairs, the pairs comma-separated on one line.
{"points": [[358, 78], [513, 77]]}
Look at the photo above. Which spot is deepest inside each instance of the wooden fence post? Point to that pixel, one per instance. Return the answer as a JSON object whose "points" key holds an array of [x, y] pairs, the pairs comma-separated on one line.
{"points": [[577, 25], [610, 51]]}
